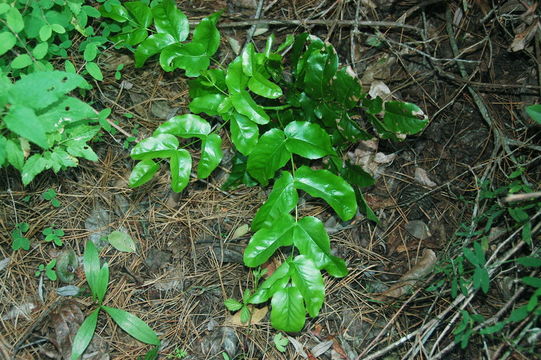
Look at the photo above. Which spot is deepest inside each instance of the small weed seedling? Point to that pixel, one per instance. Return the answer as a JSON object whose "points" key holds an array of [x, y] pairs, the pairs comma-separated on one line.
{"points": [[17, 237], [50, 195], [97, 277], [178, 353], [53, 235], [48, 270], [280, 342]]}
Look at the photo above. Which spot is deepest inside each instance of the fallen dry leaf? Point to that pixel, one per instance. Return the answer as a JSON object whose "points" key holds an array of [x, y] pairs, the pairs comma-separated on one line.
{"points": [[258, 314]]}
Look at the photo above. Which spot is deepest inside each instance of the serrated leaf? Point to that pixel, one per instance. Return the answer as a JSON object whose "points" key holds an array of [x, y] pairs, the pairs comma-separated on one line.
{"points": [[94, 70], [133, 325], [208, 104], [282, 199], [151, 46], [307, 278], [211, 155], [308, 140], [244, 133], [121, 241], [32, 167], [266, 241], [156, 146], [245, 105], [181, 168], [84, 335], [142, 173], [21, 61], [269, 155], [168, 19], [7, 41], [24, 122], [261, 86], [329, 187], [403, 117], [534, 111], [14, 20], [185, 126], [288, 312]]}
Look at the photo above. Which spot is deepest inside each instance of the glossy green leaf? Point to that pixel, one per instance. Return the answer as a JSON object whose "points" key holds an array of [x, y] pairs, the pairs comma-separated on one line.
{"points": [[191, 57], [235, 79], [248, 60], [143, 173], [244, 133], [133, 325], [14, 20], [157, 146], [140, 12], [269, 155], [211, 155], [288, 312], [261, 86], [168, 19], [312, 241], [152, 46], [97, 276], [238, 174], [116, 12], [277, 281], [329, 187], [121, 241], [185, 126], [207, 104], [403, 117], [282, 199], [207, 35], [21, 61], [84, 335], [346, 89], [307, 278], [181, 168], [320, 69], [245, 105], [7, 41], [308, 140], [94, 70], [534, 111], [24, 122], [266, 241]]}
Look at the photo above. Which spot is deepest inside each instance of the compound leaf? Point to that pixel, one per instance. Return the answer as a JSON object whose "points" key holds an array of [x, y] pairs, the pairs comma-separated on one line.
{"points": [[156, 146], [185, 126], [211, 155], [191, 57], [288, 312], [307, 278], [181, 167], [133, 325], [269, 155], [207, 35], [235, 79], [277, 281], [307, 139], [141, 13]]}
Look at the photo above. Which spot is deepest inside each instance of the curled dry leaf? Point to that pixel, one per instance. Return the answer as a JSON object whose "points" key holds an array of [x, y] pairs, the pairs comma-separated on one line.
{"points": [[258, 314], [367, 157], [64, 323], [406, 283], [421, 177]]}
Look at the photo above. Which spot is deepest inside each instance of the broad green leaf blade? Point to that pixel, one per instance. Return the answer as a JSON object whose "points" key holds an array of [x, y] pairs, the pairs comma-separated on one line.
{"points": [[181, 168], [156, 146], [140, 12], [320, 69], [208, 104], [267, 240], [403, 117], [21, 61], [245, 105], [277, 281], [211, 155], [261, 86], [91, 264], [116, 12], [168, 19], [530, 261], [14, 20], [94, 70], [7, 41], [308, 140], [32, 167], [244, 133], [235, 79], [207, 35], [307, 278], [191, 57], [185, 126], [269, 155], [329, 187], [282, 199], [151, 46], [14, 154], [142, 173], [133, 325], [288, 312], [232, 304], [84, 335], [248, 60], [23, 121], [346, 89], [39, 51], [534, 111], [121, 241], [312, 241]]}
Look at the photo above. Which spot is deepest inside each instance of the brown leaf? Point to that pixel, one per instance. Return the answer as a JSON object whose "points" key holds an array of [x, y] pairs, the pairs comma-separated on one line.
{"points": [[65, 322], [258, 314]]}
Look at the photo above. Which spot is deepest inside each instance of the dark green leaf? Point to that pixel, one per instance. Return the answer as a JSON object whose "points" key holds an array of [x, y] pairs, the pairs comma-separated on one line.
{"points": [[269, 155], [211, 155], [244, 133], [532, 281], [531, 261], [235, 78], [403, 117], [518, 314], [320, 69], [140, 12], [331, 188], [261, 86], [160, 145], [133, 325], [191, 57], [307, 278], [185, 126], [152, 46], [142, 173], [245, 105], [181, 167], [288, 312], [168, 19], [492, 329], [276, 282], [238, 174], [307, 139], [346, 89], [534, 111], [84, 335], [468, 253]]}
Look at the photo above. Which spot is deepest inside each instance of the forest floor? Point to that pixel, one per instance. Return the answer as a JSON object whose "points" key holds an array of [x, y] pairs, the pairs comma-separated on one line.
{"points": [[189, 256]]}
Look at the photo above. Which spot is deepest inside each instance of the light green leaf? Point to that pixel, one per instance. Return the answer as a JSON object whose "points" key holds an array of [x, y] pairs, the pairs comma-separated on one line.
{"points": [[57, 28], [90, 52], [32, 167], [245, 105], [534, 111], [84, 335], [151, 46], [168, 19], [133, 325], [14, 154], [269, 155], [121, 241], [232, 305], [307, 278], [207, 35], [142, 172], [185, 126], [282, 199], [7, 41], [23, 121], [156, 146], [235, 79], [261, 86], [208, 104], [94, 70], [244, 133], [14, 20], [191, 57], [311, 239], [403, 117], [211, 155], [181, 167], [21, 61], [141, 12], [248, 60], [276, 282], [288, 312], [45, 32], [308, 140], [267, 240], [40, 50], [80, 149], [329, 187]]}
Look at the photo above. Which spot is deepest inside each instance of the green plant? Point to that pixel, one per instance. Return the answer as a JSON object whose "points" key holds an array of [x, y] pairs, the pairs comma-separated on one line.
{"points": [[280, 342], [17, 237], [48, 270], [234, 305], [97, 277], [53, 235], [534, 111], [50, 195], [178, 353]]}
